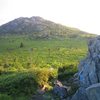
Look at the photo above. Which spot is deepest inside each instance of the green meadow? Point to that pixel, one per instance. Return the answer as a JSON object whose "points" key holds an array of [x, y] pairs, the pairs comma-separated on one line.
{"points": [[26, 63]]}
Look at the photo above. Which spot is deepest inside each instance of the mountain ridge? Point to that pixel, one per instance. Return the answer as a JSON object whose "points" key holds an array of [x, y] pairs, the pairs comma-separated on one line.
{"points": [[38, 27]]}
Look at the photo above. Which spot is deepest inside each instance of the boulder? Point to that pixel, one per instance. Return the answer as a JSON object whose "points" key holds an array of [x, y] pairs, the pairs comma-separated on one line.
{"points": [[60, 90], [37, 97], [89, 73], [93, 92], [89, 69]]}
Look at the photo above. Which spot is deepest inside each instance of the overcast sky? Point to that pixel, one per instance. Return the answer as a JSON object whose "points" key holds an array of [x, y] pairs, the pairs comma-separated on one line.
{"points": [[82, 14]]}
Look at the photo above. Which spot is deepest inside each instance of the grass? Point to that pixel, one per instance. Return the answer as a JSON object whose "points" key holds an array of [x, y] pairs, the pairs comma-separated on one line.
{"points": [[8, 97], [36, 55], [42, 53]]}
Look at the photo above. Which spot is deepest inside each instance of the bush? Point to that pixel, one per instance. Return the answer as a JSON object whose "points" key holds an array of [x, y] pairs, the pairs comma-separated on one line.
{"points": [[66, 72], [44, 75], [5, 97], [21, 45], [19, 83], [2, 70], [26, 82]]}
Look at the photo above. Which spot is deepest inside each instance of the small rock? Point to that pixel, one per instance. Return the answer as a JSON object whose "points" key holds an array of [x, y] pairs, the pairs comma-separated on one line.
{"points": [[60, 90]]}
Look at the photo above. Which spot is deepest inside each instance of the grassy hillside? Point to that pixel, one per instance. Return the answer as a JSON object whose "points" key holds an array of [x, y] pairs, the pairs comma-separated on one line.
{"points": [[34, 52], [26, 63], [42, 52]]}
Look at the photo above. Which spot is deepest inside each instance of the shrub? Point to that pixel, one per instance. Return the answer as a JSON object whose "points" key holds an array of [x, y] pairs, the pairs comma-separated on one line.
{"points": [[5, 97], [1, 70], [21, 45], [44, 75], [19, 83], [25, 82], [66, 72]]}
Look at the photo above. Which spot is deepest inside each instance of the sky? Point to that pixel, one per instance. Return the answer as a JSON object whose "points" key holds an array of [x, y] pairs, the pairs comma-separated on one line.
{"points": [[82, 14]]}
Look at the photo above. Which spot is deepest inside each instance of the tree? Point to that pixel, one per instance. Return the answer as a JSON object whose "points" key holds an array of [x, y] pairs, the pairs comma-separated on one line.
{"points": [[21, 45]]}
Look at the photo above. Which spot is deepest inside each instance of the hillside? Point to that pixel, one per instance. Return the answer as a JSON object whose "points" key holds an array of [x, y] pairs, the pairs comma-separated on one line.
{"points": [[39, 28], [29, 66], [25, 68]]}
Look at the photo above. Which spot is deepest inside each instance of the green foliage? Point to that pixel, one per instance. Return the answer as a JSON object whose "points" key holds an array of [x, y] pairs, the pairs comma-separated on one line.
{"points": [[26, 82], [21, 45], [23, 70], [8, 97], [5, 97], [18, 83], [66, 72], [21, 98], [40, 53], [44, 76]]}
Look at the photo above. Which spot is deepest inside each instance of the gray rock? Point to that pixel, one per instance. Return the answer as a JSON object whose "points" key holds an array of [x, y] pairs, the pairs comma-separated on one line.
{"points": [[89, 69], [37, 97], [93, 92], [89, 73], [76, 77], [80, 94], [60, 90]]}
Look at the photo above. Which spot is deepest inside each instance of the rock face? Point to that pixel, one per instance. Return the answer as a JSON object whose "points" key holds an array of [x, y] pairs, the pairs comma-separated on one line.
{"points": [[89, 73], [60, 90]]}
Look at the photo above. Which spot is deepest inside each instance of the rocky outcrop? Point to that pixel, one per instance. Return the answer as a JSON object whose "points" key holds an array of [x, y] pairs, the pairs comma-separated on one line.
{"points": [[89, 73]]}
